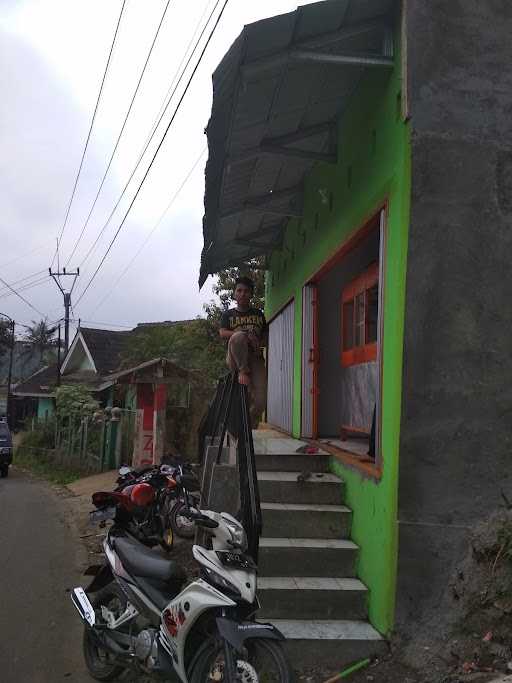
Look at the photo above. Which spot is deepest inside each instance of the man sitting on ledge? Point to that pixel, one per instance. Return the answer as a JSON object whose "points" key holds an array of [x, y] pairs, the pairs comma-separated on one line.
{"points": [[245, 329]]}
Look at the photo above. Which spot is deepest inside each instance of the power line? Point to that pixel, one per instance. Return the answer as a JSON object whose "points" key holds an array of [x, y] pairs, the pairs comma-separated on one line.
{"points": [[90, 128], [22, 298], [153, 230], [18, 258], [120, 133], [156, 152], [6, 293], [23, 279], [154, 129], [97, 322]]}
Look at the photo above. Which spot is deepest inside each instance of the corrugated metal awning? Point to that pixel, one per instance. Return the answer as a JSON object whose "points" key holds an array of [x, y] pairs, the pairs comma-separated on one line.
{"points": [[276, 96]]}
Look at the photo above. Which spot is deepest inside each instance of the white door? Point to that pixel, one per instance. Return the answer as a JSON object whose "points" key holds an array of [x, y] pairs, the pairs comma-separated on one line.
{"points": [[280, 369]]}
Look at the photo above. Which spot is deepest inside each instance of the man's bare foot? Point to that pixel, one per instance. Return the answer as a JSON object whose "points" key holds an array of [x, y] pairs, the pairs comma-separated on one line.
{"points": [[244, 378]]}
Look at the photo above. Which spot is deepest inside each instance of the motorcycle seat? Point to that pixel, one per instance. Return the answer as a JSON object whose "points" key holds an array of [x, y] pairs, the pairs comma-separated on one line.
{"points": [[141, 561]]}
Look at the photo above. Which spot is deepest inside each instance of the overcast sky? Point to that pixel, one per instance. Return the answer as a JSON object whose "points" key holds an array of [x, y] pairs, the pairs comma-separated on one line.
{"points": [[53, 54]]}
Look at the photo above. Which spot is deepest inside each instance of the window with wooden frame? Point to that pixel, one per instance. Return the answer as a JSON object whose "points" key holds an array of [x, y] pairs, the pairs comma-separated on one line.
{"points": [[359, 318]]}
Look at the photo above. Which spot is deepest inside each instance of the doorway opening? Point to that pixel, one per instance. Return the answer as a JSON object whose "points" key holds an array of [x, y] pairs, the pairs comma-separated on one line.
{"points": [[342, 339]]}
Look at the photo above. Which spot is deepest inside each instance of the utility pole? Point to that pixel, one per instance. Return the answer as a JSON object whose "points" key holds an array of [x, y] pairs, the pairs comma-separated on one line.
{"points": [[12, 324], [67, 297]]}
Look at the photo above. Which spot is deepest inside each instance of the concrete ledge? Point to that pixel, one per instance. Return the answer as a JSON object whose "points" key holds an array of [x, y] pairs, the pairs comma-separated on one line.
{"points": [[334, 643]]}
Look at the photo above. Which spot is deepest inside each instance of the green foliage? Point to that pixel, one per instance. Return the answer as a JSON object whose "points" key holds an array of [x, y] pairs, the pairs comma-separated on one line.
{"points": [[5, 336], [193, 345], [75, 399], [225, 284], [41, 336], [42, 465]]}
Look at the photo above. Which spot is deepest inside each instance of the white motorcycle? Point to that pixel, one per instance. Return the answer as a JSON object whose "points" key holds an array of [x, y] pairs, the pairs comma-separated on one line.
{"points": [[141, 617]]}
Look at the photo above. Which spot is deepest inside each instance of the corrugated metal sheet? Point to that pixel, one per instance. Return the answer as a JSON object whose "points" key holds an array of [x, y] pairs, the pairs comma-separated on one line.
{"points": [[280, 369], [308, 294], [278, 100]]}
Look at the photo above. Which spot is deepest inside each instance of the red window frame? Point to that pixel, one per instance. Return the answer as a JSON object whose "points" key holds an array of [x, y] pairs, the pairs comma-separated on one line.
{"points": [[358, 352]]}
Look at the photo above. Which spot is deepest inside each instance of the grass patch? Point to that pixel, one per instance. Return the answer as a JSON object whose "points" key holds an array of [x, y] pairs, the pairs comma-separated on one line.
{"points": [[43, 466]]}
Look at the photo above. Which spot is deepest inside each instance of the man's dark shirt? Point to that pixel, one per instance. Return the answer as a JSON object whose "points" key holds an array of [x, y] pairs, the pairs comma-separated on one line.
{"points": [[251, 320]]}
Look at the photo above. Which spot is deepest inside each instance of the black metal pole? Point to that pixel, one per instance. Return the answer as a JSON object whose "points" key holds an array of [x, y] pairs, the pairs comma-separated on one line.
{"points": [[67, 304], [58, 358], [9, 379]]}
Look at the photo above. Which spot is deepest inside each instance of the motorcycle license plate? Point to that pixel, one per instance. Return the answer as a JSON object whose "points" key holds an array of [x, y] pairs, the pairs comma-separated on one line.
{"points": [[102, 515], [233, 559]]}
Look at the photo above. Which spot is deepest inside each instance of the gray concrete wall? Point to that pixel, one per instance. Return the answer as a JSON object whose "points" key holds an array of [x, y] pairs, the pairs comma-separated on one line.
{"points": [[456, 443]]}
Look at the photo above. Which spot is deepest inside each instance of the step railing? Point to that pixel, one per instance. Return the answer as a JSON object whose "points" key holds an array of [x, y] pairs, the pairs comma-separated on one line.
{"points": [[229, 413]]}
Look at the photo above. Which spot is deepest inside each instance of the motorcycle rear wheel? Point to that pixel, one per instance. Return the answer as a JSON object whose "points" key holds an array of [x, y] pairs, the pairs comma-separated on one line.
{"points": [[99, 662], [263, 662]]}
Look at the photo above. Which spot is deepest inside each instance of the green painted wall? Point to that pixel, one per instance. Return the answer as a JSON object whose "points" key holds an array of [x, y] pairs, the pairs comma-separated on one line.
{"points": [[374, 166], [43, 405]]}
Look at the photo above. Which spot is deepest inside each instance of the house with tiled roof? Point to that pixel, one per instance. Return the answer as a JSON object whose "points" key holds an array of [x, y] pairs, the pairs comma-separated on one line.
{"points": [[94, 360]]}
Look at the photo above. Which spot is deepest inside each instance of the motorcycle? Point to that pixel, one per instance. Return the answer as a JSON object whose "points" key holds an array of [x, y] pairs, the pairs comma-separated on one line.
{"points": [[139, 614], [150, 502]]}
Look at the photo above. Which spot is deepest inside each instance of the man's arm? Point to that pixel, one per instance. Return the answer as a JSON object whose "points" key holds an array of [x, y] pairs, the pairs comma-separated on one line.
{"points": [[225, 333]]}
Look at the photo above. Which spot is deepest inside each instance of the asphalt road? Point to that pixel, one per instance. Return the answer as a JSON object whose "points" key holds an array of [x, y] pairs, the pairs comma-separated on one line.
{"points": [[40, 633]]}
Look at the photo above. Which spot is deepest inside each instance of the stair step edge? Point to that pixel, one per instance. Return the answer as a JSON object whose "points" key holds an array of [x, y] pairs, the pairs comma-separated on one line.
{"points": [[338, 630], [306, 507], [310, 583], [283, 476], [338, 544]]}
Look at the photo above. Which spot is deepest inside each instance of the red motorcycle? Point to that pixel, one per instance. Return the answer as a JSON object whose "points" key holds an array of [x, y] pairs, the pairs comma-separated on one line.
{"points": [[148, 502]]}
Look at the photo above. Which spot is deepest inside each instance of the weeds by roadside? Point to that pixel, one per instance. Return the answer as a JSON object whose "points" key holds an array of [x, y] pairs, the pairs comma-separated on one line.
{"points": [[40, 465]]}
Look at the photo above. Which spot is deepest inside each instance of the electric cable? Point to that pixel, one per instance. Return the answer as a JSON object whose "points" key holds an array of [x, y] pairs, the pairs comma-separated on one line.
{"points": [[151, 135], [22, 298], [135, 92], [6, 293], [152, 231], [90, 129], [28, 253], [23, 279], [91, 280]]}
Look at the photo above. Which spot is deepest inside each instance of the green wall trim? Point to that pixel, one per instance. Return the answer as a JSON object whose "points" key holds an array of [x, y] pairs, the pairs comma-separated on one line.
{"points": [[44, 405], [374, 169]]}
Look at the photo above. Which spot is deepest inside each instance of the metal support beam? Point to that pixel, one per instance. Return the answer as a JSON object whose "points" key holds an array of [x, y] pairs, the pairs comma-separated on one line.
{"points": [[252, 68], [292, 193], [336, 59], [274, 150], [298, 153], [266, 204], [301, 134]]}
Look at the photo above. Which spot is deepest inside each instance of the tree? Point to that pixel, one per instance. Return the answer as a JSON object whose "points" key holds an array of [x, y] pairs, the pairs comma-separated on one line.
{"points": [[193, 345], [41, 336], [75, 399], [5, 336], [226, 279]]}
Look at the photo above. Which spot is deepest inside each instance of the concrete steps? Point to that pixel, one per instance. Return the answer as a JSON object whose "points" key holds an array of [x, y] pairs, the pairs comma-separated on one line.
{"points": [[284, 487], [311, 598], [307, 584], [334, 643], [292, 463], [293, 520], [307, 557]]}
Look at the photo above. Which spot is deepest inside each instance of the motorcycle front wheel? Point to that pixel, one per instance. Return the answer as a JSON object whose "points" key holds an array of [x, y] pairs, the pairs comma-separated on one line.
{"points": [[180, 524], [262, 661], [101, 664]]}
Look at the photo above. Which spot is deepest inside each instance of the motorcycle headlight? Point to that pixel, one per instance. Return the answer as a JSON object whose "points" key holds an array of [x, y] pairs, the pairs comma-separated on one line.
{"points": [[238, 535], [220, 583]]}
